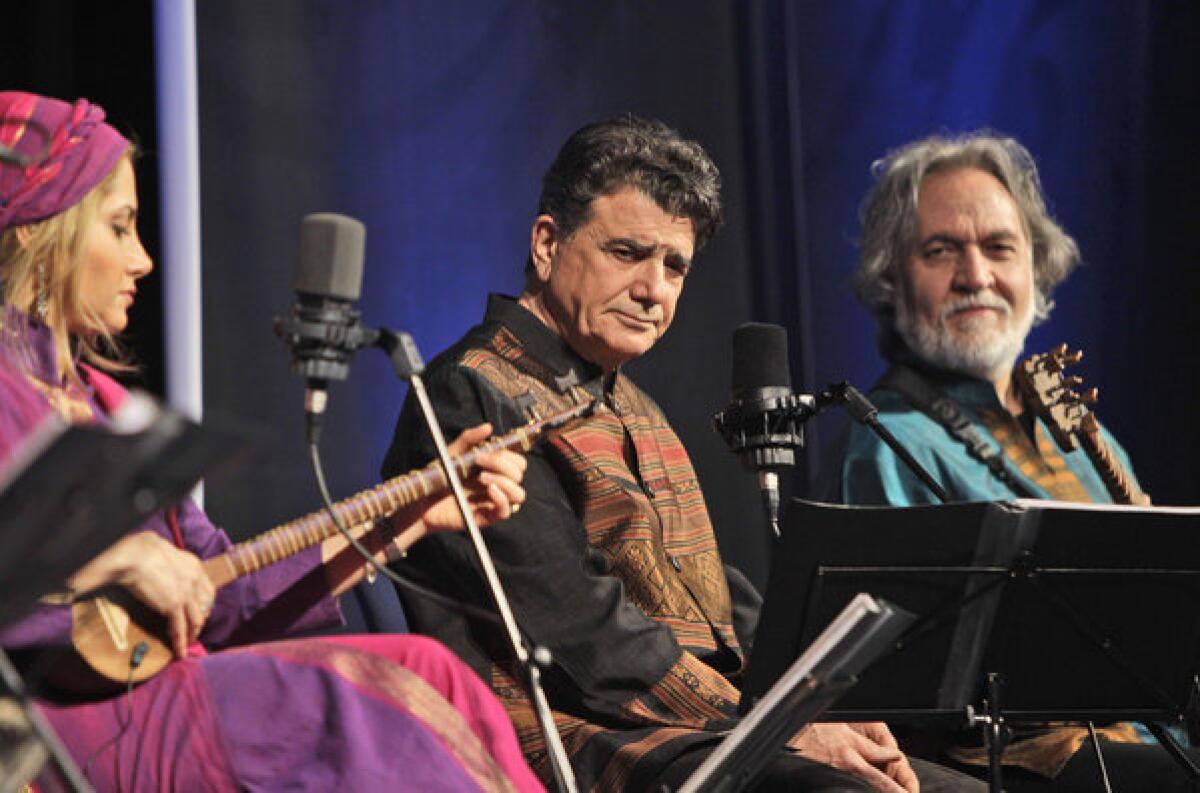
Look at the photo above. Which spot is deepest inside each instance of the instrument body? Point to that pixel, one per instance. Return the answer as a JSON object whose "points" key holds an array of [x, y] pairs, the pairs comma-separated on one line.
{"points": [[118, 640], [1050, 393]]}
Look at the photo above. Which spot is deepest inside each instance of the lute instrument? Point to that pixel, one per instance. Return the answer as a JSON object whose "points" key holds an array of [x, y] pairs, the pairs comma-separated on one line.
{"points": [[118, 640], [1052, 395]]}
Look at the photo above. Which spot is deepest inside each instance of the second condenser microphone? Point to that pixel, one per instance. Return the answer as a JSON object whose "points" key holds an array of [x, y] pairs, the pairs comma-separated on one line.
{"points": [[764, 421]]}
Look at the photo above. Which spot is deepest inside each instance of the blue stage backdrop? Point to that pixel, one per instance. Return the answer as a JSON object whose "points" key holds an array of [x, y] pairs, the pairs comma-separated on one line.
{"points": [[432, 123], [1102, 94]]}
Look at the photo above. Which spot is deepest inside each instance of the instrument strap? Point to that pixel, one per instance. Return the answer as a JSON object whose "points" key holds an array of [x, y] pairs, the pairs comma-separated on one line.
{"points": [[172, 515], [926, 397]]}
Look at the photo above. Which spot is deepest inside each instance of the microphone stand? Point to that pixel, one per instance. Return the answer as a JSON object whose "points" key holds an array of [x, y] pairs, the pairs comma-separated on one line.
{"points": [[864, 411], [10, 682], [322, 341], [407, 362], [765, 432]]}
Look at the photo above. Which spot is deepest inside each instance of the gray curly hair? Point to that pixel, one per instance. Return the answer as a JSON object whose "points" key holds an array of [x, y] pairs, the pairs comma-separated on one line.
{"points": [[889, 218]]}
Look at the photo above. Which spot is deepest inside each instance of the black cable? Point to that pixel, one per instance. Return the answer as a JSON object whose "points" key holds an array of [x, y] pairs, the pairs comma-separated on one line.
{"points": [[445, 601], [139, 652]]}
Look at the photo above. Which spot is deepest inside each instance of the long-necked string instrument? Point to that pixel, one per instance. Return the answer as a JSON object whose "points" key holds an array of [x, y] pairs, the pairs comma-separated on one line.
{"points": [[118, 640], [1052, 395]]}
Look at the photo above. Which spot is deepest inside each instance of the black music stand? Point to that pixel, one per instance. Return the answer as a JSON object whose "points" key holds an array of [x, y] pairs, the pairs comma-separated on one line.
{"points": [[865, 628], [69, 492], [1067, 611]]}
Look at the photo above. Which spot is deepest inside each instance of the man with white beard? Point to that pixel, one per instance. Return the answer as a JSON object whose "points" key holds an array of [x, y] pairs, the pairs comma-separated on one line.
{"points": [[958, 259]]}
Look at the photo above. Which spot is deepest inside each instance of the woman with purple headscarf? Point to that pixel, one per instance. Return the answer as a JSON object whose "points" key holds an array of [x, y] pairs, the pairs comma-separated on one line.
{"points": [[348, 713]]}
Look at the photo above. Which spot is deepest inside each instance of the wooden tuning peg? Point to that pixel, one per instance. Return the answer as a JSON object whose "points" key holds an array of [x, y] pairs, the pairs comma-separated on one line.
{"points": [[1072, 358], [1090, 397], [1049, 364]]}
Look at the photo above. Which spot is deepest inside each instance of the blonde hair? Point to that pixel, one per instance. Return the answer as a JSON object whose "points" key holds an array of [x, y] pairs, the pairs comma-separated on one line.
{"points": [[52, 250]]}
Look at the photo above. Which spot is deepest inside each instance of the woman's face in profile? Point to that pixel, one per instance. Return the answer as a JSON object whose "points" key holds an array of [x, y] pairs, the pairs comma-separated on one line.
{"points": [[113, 257]]}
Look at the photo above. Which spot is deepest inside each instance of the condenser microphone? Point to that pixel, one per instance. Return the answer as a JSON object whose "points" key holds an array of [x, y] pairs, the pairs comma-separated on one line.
{"points": [[323, 331], [764, 421]]}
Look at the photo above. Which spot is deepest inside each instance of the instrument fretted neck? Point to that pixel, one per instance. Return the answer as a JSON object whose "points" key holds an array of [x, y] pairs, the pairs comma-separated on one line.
{"points": [[1120, 485], [1052, 396], [111, 627], [380, 501]]}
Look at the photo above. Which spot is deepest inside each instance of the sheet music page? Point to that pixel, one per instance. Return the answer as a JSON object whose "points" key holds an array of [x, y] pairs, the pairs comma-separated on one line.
{"points": [[861, 606]]}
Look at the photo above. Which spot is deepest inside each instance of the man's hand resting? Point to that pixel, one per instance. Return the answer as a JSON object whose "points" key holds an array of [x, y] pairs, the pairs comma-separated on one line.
{"points": [[866, 750]]}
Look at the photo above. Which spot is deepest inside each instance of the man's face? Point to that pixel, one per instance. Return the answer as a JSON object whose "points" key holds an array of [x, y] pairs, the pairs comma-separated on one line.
{"points": [[966, 301], [610, 288]]}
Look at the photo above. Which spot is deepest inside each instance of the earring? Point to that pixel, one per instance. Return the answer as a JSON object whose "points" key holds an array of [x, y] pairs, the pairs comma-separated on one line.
{"points": [[42, 298]]}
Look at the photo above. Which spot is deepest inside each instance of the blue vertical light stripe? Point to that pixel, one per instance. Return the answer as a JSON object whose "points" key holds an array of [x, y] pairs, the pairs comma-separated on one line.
{"points": [[179, 178]]}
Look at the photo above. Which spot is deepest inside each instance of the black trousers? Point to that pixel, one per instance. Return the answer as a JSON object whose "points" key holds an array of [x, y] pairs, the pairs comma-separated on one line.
{"points": [[791, 773]]}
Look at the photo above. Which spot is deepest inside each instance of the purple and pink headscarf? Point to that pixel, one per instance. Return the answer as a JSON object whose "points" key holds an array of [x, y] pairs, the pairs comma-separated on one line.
{"points": [[69, 149]]}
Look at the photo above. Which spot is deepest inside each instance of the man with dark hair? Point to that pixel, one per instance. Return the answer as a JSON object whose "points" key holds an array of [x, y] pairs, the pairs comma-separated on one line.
{"points": [[612, 563], [959, 256]]}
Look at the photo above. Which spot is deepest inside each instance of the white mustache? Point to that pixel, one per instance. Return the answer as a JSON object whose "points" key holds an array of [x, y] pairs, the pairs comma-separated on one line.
{"points": [[975, 301], [653, 316]]}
